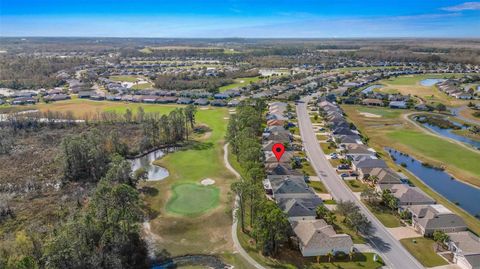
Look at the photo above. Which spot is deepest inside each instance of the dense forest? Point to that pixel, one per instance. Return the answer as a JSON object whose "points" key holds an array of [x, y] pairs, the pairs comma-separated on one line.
{"points": [[94, 218]]}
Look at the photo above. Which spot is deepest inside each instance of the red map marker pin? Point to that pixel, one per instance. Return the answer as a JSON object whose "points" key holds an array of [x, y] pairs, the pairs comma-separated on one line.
{"points": [[278, 149]]}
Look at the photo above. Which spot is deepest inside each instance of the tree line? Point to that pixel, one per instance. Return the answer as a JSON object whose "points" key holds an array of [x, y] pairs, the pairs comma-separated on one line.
{"points": [[20, 72], [267, 223]]}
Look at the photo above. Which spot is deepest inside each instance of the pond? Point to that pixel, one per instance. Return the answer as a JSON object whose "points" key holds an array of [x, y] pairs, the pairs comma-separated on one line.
{"points": [[431, 81], [448, 133], [371, 88], [155, 172], [464, 195]]}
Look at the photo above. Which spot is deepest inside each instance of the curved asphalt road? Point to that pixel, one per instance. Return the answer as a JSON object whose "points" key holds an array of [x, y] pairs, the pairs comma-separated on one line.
{"points": [[391, 250]]}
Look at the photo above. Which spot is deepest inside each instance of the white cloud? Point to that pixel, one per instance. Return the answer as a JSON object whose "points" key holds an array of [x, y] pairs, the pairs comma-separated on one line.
{"points": [[464, 6]]}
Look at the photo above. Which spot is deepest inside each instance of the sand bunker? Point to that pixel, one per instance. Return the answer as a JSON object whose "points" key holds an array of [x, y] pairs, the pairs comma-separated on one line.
{"points": [[370, 115], [207, 182]]}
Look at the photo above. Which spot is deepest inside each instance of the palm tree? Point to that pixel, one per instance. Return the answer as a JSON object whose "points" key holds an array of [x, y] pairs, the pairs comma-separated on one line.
{"points": [[331, 218]]}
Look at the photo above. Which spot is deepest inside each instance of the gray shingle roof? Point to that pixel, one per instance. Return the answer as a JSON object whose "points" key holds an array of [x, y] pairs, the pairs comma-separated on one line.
{"points": [[318, 234]]}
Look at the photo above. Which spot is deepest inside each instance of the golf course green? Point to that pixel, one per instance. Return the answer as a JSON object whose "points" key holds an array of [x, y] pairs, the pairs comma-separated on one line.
{"points": [[192, 199]]}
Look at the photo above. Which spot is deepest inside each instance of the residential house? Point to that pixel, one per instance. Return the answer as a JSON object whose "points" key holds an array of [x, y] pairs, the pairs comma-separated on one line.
{"points": [[427, 219], [218, 103], [372, 102], [356, 150], [23, 101], [364, 163], [85, 94], [287, 186], [465, 247], [300, 208], [409, 196], [201, 102], [184, 101], [56, 97], [280, 169], [398, 104], [286, 157], [317, 238]]}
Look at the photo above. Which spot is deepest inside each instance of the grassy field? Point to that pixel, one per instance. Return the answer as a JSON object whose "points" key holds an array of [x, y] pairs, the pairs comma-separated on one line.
{"points": [[378, 130], [410, 85], [239, 82], [82, 107], [385, 216], [142, 86], [125, 78], [440, 151], [192, 199], [424, 250]]}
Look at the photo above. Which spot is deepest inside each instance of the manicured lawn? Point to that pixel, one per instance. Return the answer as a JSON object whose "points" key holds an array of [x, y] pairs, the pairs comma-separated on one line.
{"points": [[385, 216], [142, 86], [322, 137], [442, 151], [326, 148], [192, 199], [423, 249], [124, 78], [335, 162], [356, 185], [318, 186], [308, 169], [239, 82], [318, 120], [340, 227]]}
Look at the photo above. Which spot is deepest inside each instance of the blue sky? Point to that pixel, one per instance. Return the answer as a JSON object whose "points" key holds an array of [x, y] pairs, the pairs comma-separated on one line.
{"points": [[236, 18]]}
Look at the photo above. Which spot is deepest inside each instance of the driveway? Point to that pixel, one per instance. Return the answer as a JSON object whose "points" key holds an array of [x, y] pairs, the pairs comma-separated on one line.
{"points": [[403, 232]]}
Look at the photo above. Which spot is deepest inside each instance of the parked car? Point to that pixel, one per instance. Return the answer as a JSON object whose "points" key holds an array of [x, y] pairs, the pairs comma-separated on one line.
{"points": [[353, 174], [343, 167], [344, 175]]}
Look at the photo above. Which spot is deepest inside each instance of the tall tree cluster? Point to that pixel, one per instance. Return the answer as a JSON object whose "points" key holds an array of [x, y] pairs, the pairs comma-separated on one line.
{"points": [[106, 234], [167, 130], [86, 156], [268, 224]]}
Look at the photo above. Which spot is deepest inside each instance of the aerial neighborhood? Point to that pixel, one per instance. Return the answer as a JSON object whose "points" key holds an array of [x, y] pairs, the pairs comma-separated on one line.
{"points": [[239, 153]]}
